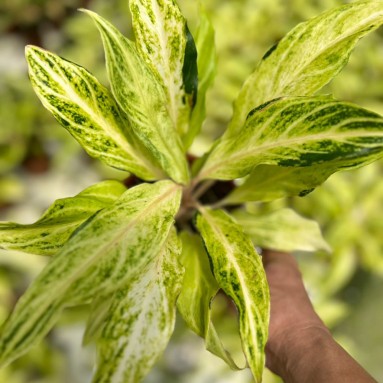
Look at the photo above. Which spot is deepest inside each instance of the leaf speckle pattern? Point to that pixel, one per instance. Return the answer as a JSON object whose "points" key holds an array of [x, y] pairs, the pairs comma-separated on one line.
{"points": [[55, 227], [308, 57], [239, 273], [86, 109], [136, 250], [299, 132], [161, 40], [143, 99], [141, 319], [110, 248]]}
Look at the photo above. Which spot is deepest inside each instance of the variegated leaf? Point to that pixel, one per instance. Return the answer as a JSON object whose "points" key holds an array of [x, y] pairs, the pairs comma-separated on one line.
{"points": [[198, 290], [299, 132], [207, 62], [308, 57], [47, 235], [87, 110], [282, 230], [143, 99], [102, 255], [160, 31], [141, 319], [239, 272], [269, 182]]}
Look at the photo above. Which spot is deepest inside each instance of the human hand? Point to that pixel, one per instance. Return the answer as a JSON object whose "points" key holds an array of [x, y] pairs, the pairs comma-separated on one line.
{"points": [[300, 348]]}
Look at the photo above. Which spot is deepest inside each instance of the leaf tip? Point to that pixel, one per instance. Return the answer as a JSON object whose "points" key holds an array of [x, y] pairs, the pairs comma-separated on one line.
{"points": [[90, 13], [93, 15], [84, 10], [30, 49]]}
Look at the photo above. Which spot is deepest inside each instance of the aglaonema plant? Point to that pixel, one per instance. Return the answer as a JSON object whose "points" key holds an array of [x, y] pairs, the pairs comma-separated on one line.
{"points": [[138, 254]]}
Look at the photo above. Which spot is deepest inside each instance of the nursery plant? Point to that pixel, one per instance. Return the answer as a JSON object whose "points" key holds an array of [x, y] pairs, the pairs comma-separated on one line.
{"points": [[176, 231]]}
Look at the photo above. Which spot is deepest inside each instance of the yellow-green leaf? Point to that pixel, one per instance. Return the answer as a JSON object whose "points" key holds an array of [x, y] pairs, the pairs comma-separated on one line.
{"points": [[160, 31], [308, 57], [47, 235], [143, 99], [269, 182], [102, 255], [141, 319], [299, 132], [198, 290], [282, 230], [88, 111], [239, 272]]}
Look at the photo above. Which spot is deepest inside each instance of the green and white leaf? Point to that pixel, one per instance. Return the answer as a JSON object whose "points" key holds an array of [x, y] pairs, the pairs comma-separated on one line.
{"points": [[269, 182], [299, 132], [159, 28], [87, 110], [143, 99], [141, 319], [308, 57], [207, 63], [198, 291], [47, 235], [101, 256], [282, 230], [239, 272]]}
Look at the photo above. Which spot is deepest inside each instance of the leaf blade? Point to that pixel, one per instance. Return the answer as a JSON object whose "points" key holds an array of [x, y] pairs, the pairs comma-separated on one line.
{"points": [[282, 230], [141, 319], [47, 235], [269, 182], [108, 250], [299, 132], [86, 109], [142, 98], [239, 272], [160, 31], [308, 57]]}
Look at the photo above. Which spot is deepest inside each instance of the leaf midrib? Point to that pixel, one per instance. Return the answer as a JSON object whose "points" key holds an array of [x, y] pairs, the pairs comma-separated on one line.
{"points": [[252, 152], [90, 261], [93, 113], [125, 229]]}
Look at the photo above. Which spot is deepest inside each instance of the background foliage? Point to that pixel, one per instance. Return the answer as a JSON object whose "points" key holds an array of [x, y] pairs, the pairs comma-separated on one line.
{"points": [[39, 163]]}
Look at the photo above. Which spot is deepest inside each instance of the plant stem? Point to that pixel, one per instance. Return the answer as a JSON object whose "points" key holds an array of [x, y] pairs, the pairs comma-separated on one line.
{"points": [[218, 204], [205, 186]]}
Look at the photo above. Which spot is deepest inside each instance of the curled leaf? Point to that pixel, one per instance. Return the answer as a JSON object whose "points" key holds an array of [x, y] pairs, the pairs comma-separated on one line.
{"points": [[198, 290], [239, 272]]}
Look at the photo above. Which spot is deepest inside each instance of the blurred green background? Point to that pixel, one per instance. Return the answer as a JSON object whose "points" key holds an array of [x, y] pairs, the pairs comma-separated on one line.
{"points": [[40, 162]]}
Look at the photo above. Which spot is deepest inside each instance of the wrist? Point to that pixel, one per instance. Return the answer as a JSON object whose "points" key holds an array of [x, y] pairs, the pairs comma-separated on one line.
{"points": [[289, 353], [311, 355]]}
